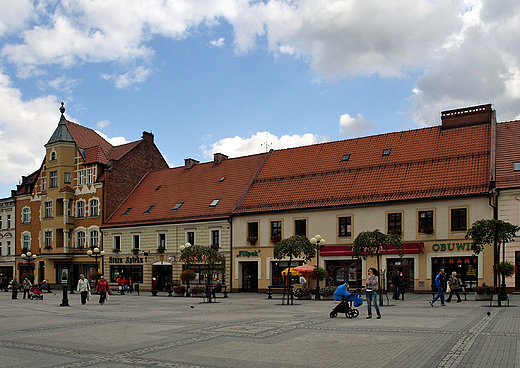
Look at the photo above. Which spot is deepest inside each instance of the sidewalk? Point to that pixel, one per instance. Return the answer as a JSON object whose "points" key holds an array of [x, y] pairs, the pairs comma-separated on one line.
{"points": [[249, 330]]}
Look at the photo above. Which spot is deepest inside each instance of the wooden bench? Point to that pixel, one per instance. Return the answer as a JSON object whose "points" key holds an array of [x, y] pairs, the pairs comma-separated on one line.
{"points": [[275, 287]]}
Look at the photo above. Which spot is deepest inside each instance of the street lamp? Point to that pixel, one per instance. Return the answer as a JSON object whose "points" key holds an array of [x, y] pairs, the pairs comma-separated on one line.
{"points": [[183, 248], [96, 253], [319, 242], [29, 257]]}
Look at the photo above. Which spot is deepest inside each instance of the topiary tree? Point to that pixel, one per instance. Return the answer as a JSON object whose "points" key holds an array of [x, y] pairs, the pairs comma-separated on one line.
{"points": [[495, 233], [296, 246], [371, 243]]}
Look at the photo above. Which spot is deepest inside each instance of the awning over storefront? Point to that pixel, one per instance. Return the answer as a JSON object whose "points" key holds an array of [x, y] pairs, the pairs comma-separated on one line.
{"points": [[346, 250]]}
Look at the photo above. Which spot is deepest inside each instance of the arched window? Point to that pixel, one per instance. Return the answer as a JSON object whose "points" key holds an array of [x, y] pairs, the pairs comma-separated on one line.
{"points": [[80, 240], [53, 156], [80, 209], [26, 243], [26, 215], [94, 238], [94, 208]]}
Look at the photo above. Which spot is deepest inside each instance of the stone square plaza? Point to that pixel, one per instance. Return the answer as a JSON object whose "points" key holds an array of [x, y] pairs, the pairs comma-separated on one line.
{"points": [[249, 330]]}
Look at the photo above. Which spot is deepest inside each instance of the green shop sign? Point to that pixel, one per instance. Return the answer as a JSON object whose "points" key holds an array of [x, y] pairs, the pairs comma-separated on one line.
{"points": [[451, 247], [245, 253]]}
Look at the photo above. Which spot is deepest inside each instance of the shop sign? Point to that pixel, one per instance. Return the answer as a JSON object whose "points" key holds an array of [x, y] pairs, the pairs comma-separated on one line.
{"points": [[449, 247], [246, 253], [125, 260]]}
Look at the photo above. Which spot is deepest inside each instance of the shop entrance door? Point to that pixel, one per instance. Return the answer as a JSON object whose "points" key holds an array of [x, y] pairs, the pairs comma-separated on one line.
{"points": [[162, 273], [405, 268], [249, 276]]}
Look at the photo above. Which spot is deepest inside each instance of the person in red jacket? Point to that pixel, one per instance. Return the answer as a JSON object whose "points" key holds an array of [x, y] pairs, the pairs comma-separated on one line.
{"points": [[102, 287]]}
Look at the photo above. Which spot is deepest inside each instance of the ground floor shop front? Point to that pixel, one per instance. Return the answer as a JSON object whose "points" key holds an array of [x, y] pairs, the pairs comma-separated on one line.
{"points": [[255, 268]]}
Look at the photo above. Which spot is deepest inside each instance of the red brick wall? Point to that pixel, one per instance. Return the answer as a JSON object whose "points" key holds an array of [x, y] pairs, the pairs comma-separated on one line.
{"points": [[127, 172]]}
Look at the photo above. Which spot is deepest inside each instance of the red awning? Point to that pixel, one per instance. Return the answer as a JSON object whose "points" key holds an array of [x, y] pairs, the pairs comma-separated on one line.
{"points": [[346, 250]]}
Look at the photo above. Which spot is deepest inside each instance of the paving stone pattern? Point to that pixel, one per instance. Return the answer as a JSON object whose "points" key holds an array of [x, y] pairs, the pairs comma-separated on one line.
{"points": [[249, 330]]}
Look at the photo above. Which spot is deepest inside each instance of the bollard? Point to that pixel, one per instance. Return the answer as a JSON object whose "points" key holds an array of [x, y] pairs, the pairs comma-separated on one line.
{"points": [[136, 288], [65, 300]]}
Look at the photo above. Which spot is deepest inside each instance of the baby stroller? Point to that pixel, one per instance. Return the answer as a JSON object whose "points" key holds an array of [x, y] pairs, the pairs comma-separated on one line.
{"points": [[347, 301], [35, 293]]}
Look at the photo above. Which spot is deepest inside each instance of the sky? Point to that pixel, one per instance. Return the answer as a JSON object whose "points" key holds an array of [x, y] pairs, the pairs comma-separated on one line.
{"points": [[240, 77]]}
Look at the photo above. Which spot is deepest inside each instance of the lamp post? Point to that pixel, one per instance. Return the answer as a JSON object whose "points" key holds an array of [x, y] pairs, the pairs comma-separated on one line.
{"points": [[319, 242], [96, 253], [184, 248], [29, 257]]}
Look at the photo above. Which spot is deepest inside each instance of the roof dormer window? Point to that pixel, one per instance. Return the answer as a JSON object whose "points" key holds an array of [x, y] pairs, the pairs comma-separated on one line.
{"points": [[214, 202], [386, 152], [346, 157], [126, 211], [177, 206], [149, 209]]}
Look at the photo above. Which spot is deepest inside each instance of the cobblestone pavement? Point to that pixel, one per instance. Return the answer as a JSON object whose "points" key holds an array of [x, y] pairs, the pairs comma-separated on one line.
{"points": [[249, 330]]}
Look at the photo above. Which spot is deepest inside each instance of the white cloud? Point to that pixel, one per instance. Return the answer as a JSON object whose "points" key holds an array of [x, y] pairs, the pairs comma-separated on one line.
{"points": [[217, 43], [353, 127], [260, 142], [13, 15], [114, 141], [136, 76], [103, 124]]}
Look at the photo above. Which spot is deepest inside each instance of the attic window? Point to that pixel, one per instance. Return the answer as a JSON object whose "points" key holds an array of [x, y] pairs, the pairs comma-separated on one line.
{"points": [[516, 166], [159, 187], [215, 202], [149, 209], [346, 157], [177, 206], [222, 179], [386, 152], [126, 211]]}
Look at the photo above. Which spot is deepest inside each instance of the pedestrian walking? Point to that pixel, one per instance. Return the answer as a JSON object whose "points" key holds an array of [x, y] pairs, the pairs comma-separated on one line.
{"points": [[83, 288], [396, 280], [14, 289], [26, 287], [102, 287], [454, 287], [372, 288], [440, 283]]}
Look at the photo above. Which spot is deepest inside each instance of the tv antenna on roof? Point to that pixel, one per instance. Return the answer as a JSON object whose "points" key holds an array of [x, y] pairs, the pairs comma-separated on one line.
{"points": [[266, 144]]}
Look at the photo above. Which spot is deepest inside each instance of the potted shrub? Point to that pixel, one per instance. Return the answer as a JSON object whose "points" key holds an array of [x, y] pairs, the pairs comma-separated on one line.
{"points": [[29, 276], [252, 240], [507, 269], [188, 275], [327, 292], [275, 239], [179, 290], [302, 292], [160, 249], [318, 273], [196, 290], [484, 292], [48, 247], [427, 230], [115, 250], [135, 251]]}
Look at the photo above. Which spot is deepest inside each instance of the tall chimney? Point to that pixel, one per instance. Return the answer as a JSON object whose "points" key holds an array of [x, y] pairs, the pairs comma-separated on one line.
{"points": [[218, 157], [148, 137], [189, 163], [466, 116]]}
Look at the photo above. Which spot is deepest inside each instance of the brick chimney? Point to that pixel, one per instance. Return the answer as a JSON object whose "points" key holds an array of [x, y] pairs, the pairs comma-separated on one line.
{"points": [[148, 137], [189, 163], [466, 116], [218, 157]]}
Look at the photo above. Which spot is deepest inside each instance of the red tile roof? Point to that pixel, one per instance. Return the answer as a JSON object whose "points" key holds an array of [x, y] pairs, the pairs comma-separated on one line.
{"points": [[119, 151], [508, 152], [95, 154], [86, 137], [196, 187], [423, 163]]}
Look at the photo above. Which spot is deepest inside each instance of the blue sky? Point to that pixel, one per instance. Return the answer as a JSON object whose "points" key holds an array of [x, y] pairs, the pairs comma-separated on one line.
{"points": [[227, 75]]}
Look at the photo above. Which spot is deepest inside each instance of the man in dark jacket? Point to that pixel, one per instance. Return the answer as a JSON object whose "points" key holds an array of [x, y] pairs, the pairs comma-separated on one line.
{"points": [[396, 280], [440, 283]]}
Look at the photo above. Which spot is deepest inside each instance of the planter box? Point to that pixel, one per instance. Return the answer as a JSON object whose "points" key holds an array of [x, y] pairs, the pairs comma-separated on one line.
{"points": [[305, 297], [328, 297], [178, 294], [483, 296], [196, 295]]}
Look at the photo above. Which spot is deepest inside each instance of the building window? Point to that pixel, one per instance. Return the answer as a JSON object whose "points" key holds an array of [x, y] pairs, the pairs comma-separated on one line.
{"points": [[8, 220], [161, 241], [394, 221], [81, 177], [190, 237], [80, 209], [276, 231], [54, 179], [90, 176], [26, 215], [516, 166], [117, 243], [135, 241], [94, 238], [26, 242], [458, 219], [345, 226], [252, 232], [426, 222], [48, 239], [67, 177], [53, 156], [94, 208], [215, 238], [1, 222], [300, 227], [8, 242], [48, 209], [81, 240], [1, 248], [44, 184]]}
